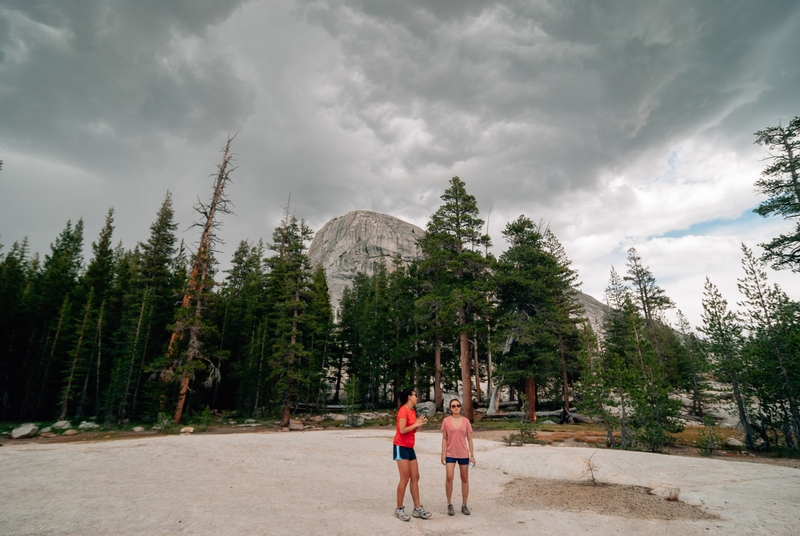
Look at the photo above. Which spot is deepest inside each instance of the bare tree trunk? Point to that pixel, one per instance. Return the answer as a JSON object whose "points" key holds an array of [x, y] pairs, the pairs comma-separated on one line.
{"points": [[489, 385], [99, 352], [124, 400], [437, 375], [260, 366], [564, 374], [141, 364], [466, 369], [530, 394], [65, 398], [287, 406], [494, 398], [748, 432], [478, 393]]}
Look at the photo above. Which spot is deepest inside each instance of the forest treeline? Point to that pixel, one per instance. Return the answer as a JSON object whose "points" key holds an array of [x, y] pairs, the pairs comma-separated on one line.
{"points": [[133, 333]]}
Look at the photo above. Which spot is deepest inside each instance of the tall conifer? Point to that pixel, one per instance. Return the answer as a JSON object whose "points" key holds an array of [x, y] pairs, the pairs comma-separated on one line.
{"points": [[459, 270]]}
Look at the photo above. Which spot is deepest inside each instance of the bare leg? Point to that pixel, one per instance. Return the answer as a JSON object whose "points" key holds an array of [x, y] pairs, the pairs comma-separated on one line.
{"points": [[464, 483], [448, 482], [414, 474], [405, 475]]}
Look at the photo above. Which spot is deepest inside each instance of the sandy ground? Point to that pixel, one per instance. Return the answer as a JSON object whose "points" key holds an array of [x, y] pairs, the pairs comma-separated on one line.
{"points": [[343, 482]]}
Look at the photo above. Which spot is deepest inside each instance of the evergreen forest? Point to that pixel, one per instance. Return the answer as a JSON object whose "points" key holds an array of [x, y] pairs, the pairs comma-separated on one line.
{"points": [[156, 328]]}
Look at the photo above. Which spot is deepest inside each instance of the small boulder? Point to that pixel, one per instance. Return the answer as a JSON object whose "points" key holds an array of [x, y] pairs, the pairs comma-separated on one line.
{"points": [[45, 430], [138, 429], [426, 408], [295, 425], [71, 431], [84, 425], [285, 429], [62, 425], [546, 421], [47, 434], [355, 421], [187, 430], [317, 418], [338, 417], [733, 442], [26, 430], [249, 421]]}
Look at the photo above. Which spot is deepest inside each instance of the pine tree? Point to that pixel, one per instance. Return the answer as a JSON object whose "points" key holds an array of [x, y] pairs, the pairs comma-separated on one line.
{"points": [[534, 288], [723, 344], [289, 280], [56, 292], [698, 365], [780, 182], [773, 324], [652, 302], [17, 272], [453, 260], [243, 308]]}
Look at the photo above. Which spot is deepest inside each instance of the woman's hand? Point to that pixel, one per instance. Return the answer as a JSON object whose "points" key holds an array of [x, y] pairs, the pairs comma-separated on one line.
{"points": [[472, 460], [422, 421], [443, 460]]}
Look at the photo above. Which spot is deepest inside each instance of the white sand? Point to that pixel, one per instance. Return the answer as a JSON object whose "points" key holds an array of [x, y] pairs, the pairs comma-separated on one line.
{"points": [[343, 482]]}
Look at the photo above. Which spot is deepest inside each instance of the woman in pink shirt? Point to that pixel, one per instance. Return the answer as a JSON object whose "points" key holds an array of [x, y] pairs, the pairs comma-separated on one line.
{"points": [[457, 448]]}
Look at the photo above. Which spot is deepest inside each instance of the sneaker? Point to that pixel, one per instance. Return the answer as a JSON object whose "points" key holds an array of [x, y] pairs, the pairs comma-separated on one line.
{"points": [[421, 513], [450, 510], [464, 509], [401, 514]]}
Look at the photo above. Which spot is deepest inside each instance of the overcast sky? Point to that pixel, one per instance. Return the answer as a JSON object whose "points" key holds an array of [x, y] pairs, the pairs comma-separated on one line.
{"points": [[620, 123]]}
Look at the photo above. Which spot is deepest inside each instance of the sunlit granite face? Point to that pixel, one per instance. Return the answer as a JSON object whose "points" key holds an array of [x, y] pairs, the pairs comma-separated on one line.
{"points": [[359, 240]]}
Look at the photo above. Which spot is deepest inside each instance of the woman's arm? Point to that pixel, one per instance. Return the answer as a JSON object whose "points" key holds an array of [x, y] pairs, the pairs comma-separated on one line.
{"points": [[444, 446], [471, 448], [406, 429]]}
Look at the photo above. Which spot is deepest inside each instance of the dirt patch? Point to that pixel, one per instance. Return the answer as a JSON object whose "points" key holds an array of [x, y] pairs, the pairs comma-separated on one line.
{"points": [[608, 499]]}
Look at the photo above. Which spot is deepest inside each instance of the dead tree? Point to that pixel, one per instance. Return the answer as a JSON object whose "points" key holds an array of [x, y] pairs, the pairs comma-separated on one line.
{"points": [[182, 364]]}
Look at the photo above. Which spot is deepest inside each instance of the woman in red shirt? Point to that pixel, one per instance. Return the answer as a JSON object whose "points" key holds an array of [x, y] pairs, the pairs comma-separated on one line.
{"points": [[406, 458], [457, 448]]}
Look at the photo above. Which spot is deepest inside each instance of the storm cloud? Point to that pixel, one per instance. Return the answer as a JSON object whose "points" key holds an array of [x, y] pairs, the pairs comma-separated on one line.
{"points": [[619, 123]]}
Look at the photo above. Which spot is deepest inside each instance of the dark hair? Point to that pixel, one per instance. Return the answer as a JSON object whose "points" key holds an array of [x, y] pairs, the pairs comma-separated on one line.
{"points": [[404, 394], [450, 404]]}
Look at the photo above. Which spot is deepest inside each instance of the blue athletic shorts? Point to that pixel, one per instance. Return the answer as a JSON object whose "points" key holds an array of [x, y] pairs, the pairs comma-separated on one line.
{"points": [[403, 453], [461, 461]]}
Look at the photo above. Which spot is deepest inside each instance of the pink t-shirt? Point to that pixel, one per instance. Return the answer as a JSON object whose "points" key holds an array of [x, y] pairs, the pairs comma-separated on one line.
{"points": [[457, 437]]}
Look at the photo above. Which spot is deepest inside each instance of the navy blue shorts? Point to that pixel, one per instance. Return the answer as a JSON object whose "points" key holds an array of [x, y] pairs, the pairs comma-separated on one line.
{"points": [[403, 453], [461, 461]]}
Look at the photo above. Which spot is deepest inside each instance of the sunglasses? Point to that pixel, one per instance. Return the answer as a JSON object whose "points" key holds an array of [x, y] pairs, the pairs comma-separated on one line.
{"points": [[455, 405]]}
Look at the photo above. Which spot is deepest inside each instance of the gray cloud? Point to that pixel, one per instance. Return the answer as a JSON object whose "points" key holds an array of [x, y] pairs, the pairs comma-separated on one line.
{"points": [[100, 82], [616, 121], [562, 92]]}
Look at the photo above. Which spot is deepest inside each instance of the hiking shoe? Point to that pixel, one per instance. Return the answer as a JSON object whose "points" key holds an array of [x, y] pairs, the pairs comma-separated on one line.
{"points": [[450, 510], [401, 514], [464, 509], [421, 513]]}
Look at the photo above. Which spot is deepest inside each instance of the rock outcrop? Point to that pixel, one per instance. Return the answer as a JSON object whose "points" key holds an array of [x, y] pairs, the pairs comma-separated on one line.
{"points": [[356, 242], [359, 240]]}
